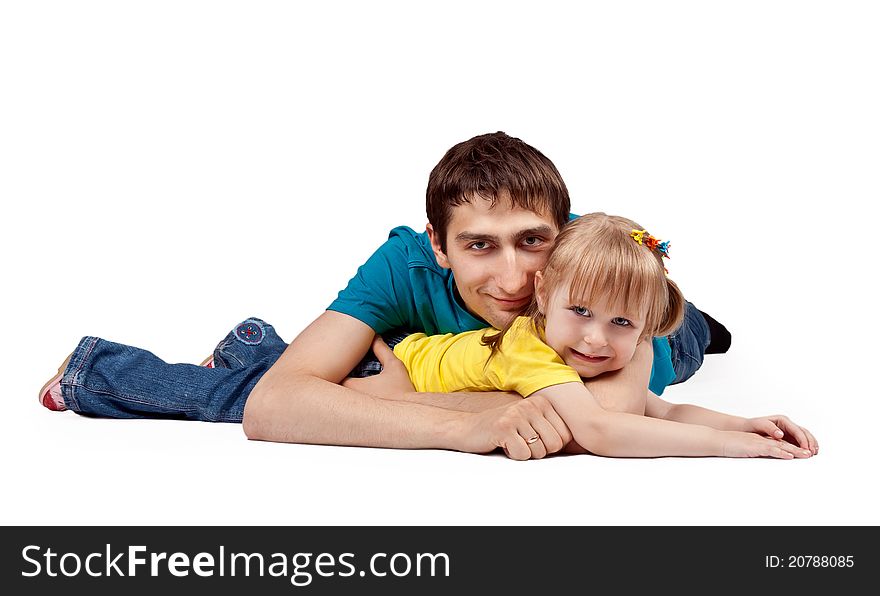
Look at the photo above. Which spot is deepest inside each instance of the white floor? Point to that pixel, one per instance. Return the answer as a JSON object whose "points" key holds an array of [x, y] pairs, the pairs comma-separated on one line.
{"points": [[169, 171], [65, 469]]}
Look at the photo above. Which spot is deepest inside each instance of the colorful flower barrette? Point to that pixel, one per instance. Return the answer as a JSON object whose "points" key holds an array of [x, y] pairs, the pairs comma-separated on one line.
{"points": [[645, 239]]}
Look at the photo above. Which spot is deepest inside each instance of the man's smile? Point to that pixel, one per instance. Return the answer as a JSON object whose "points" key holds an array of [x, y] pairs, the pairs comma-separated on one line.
{"points": [[511, 303]]}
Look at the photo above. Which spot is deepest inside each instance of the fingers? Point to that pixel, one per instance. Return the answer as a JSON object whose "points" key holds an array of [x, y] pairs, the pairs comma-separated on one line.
{"points": [[767, 427], [779, 452], [381, 350], [814, 444], [554, 431], [533, 441], [516, 448], [550, 438], [793, 430], [802, 436], [531, 429], [527, 443], [792, 450], [780, 427]]}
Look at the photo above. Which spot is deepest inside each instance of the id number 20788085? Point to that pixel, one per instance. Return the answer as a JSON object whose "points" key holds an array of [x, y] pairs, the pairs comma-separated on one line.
{"points": [[821, 561]]}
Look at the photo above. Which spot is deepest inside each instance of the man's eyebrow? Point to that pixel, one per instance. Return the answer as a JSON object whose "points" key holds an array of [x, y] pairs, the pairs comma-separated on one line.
{"points": [[542, 230], [476, 237]]}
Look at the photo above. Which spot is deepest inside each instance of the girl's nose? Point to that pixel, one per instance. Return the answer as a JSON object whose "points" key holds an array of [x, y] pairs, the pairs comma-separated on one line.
{"points": [[595, 338]]}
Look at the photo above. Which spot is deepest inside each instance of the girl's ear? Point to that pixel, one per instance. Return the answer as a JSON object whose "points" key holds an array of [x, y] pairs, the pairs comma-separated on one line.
{"points": [[540, 294], [435, 246]]}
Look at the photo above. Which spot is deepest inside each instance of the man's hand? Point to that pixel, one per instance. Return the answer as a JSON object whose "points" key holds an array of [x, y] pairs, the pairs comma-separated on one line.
{"points": [[781, 427], [527, 429], [392, 383]]}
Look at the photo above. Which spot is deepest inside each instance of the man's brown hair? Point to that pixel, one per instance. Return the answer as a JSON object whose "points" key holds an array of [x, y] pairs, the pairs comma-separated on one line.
{"points": [[491, 165]]}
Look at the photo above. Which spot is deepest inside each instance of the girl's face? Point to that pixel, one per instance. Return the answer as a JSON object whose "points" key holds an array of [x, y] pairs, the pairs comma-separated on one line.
{"points": [[590, 338]]}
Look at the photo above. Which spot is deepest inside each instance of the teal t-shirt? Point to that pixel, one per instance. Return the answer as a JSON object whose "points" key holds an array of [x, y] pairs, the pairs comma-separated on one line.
{"points": [[402, 286]]}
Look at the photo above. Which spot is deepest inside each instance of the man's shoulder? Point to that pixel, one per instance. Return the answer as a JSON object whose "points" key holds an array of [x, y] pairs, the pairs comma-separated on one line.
{"points": [[405, 234], [414, 246]]}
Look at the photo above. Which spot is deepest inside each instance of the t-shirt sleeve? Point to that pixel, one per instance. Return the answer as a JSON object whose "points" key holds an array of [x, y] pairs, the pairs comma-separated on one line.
{"points": [[525, 365], [380, 292], [426, 359], [662, 371]]}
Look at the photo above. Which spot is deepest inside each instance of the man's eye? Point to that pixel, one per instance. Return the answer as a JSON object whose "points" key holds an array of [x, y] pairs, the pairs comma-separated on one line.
{"points": [[581, 311], [479, 245], [621, 321], [533, 241]]}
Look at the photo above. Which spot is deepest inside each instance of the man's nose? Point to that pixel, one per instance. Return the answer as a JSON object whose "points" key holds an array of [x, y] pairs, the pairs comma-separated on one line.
{"points": [[512, 276]]}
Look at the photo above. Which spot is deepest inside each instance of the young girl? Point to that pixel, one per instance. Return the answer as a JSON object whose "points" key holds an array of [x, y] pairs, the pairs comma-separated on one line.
{"points": [[603, 291]]}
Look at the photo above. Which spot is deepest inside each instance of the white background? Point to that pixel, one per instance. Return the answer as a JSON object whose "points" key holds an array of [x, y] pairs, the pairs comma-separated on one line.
{"points": [[170, 168]]}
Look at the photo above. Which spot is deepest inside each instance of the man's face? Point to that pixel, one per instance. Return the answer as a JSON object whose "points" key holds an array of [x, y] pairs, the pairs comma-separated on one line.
{"points": [[494, 254]]}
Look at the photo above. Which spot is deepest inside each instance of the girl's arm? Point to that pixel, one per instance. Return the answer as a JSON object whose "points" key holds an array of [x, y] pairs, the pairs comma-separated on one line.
{"points": [[618, 434], [777, 427], [690, 414]]}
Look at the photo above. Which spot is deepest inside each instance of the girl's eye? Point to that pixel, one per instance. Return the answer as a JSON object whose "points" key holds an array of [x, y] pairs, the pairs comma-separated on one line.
{"points": [[621, 321], [581, 311]]}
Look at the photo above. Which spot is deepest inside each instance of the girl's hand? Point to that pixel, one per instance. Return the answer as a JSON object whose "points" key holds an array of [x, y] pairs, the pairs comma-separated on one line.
{"points": [[781, 427], [749, 444], [392, 383]]}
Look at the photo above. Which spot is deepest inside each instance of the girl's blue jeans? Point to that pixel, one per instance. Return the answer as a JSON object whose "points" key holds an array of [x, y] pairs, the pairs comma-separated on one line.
{"points": [[688, 344], [113, 380]]}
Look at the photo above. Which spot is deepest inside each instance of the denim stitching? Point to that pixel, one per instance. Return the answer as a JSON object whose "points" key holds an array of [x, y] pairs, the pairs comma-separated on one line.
{"points": [[74, 376], [226, 355], [129, 399]]}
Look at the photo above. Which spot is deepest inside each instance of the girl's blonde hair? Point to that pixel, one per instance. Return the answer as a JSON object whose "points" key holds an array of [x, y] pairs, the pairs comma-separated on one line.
{"points": [[598, 256]]}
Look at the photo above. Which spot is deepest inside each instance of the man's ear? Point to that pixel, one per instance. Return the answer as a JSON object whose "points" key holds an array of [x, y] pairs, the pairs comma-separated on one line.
{"points": [[540, 295], [435, 246]]}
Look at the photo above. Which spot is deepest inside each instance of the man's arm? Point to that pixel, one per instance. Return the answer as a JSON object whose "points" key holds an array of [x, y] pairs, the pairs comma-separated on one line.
{"points": [[298, 401]]}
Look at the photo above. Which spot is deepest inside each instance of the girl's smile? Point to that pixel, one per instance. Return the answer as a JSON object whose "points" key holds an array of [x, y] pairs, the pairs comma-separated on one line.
{"points": [[592, 339]]}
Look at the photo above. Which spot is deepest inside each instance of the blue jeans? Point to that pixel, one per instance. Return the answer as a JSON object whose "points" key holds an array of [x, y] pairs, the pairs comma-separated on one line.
{"points": [[688, 344], [369, 364], [112, 380]]}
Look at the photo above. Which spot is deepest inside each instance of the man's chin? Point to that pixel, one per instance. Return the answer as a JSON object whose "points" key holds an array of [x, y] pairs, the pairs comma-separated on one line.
{"points": [[500, 318]]}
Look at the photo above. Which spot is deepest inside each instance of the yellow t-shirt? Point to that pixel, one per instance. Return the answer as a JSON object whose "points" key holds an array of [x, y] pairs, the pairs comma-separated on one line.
{"points": [[447, 363]]}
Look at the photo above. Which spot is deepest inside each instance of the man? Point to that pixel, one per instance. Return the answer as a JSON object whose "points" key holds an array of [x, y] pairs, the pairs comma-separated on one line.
{"points": [[494, 206]]}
